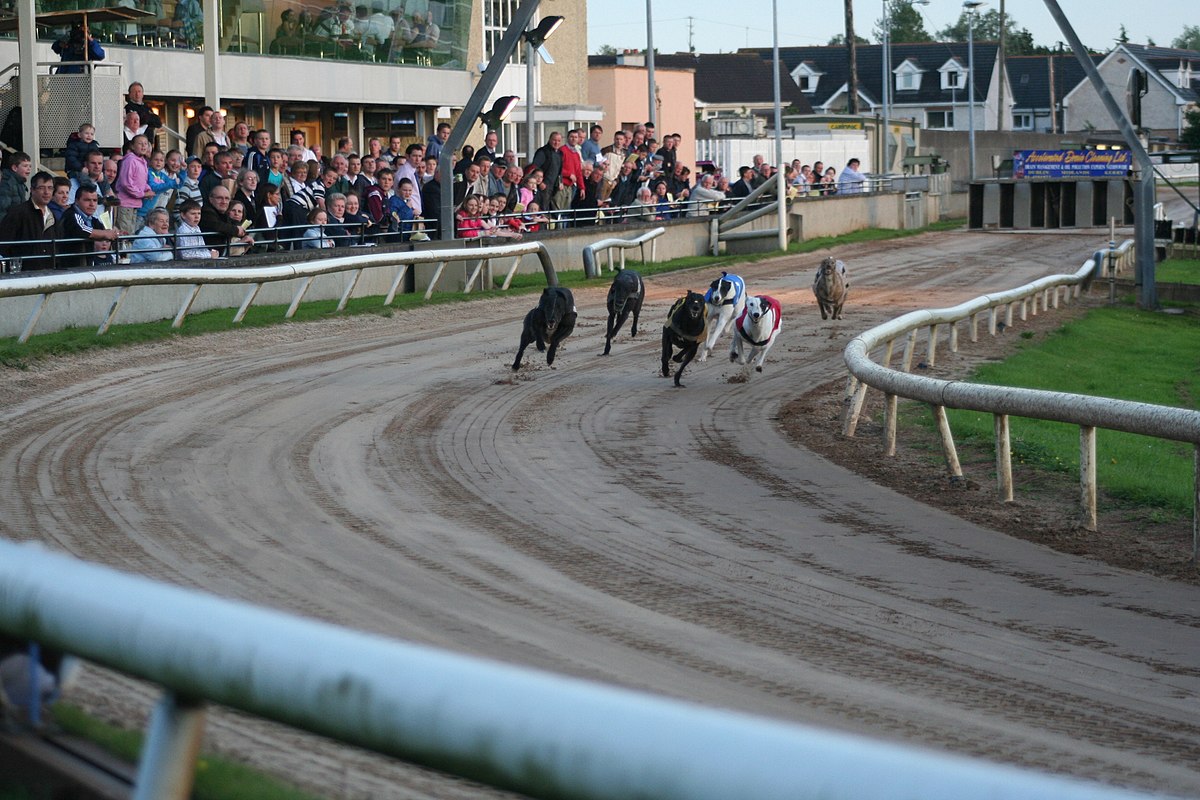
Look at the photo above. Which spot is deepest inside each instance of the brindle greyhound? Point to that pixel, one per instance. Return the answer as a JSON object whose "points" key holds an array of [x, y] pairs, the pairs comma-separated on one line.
{"points": [[684, 329], [625, 297], [551, 321]]}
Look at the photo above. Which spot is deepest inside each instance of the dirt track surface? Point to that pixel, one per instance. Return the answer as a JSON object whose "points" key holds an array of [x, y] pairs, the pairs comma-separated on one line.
{"points": [[394, 476]]}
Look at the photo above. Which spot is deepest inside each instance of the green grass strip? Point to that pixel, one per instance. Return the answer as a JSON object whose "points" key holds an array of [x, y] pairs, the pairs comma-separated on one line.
{"points": [[78, 340], [216, 778], [1177, 270], [1113, 352]]}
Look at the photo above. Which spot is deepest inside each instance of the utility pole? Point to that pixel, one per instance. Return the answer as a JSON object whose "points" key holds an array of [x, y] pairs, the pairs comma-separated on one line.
{"points": [[691, 30], [1002, 112]]}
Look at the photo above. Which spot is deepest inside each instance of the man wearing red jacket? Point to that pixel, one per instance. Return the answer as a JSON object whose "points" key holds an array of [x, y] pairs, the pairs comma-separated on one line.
{"points": [[572, 170]]}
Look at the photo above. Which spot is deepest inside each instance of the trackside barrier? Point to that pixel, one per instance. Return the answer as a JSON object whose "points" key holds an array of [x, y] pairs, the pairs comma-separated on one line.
{"points": [[721, 229], [591, 269], [46, 285], [540, 734], [1089, 413]]}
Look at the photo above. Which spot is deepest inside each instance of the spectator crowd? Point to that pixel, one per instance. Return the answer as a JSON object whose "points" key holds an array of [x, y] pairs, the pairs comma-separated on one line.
{"points": [[233, 190]]}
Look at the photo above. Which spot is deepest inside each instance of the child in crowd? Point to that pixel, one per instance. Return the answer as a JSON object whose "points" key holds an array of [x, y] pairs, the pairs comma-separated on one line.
{"points": [[160, 182], [533, 219], [189, 189], [403, 208], [102, 254], [315, 237], [189, 239], [78, 147]]}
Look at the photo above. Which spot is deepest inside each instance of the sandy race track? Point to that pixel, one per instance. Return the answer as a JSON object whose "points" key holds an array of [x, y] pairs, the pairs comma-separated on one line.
{"points": [[394, 476]]}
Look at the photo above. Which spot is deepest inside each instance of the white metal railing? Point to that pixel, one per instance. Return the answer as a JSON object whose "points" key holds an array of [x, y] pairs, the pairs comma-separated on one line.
{"points": [[1089, 413], [593, 269], [46, 285], [540, 734], [748, 209]]}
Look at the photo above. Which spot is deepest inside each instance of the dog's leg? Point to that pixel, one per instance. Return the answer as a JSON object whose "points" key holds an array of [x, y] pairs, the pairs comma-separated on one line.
{"points": [[637, 311], [553, 348], [525, 340], [714, 333], [688, 353], [666, 352], [608, 337]]}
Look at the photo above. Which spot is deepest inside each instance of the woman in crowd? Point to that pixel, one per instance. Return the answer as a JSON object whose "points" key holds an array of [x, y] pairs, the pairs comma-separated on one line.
{"points": [[664, 203], [356, 222], [246, 191], [829, 182], [314, 237], [467, 220]]}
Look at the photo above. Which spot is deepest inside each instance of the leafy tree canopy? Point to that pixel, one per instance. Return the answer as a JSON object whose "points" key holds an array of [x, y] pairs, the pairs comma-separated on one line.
{"points": [[840, 39], [1189, 39], [1017, 41], [907, 24], [1190, 138]]}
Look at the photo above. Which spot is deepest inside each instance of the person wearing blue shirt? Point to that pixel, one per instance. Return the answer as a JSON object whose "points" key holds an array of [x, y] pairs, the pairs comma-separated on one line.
{"points": [[79, 46]]}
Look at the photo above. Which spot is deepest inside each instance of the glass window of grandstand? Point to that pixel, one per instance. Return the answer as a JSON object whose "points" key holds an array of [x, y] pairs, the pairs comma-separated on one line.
{"points": [[417, 32], [497, 15], [384, 124], [940, 120]]}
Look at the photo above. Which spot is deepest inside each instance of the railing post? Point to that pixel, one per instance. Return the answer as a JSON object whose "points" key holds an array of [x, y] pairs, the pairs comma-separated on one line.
{"points": [[118, 299], [953, 337], [255, 288], [910, 348], [853, 410], [1087, 475], [186, 306], [168, 763], [948, 450], [1004, 477], [931, 355], [395, 287], [341, 306], [34, 315], [890, 409], [300, 292], [1008, 315], [975, 327], [993, 312], [1196, 505]]}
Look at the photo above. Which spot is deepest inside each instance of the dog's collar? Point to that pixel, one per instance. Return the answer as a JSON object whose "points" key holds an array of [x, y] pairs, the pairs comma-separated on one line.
{"points": [[742, 333]]}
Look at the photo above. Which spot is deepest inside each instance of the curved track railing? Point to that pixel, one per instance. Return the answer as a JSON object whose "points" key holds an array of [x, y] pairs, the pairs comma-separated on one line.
{"points": [[1089, 413], [536, 733], [591, 267], [44, 286]]}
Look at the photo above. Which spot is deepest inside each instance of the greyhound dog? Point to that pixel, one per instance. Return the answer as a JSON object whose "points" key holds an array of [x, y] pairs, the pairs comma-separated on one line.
{"points": [[725, 301], [685, 330], [625, 297], [551, 321], [830, 286], [756, 330]]}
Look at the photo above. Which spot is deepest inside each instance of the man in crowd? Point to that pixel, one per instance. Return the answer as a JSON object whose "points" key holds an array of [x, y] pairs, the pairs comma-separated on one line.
{"points": [[491, 141], [239, 140], [29, 223], [496, 178], [258, 158], [434, 146], [136, 101], [704, 195], [549, 160], [406, 167], [219, 229], [222, 169], [618, 149], [199, 125], [82, 228], [851, 181], [743, 185], [590, 149]]}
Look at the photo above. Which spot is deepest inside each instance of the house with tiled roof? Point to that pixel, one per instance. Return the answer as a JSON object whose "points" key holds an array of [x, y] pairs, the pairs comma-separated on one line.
{"points": [[928, 81], [1039, 85], [1173, 88], [726, 84]]}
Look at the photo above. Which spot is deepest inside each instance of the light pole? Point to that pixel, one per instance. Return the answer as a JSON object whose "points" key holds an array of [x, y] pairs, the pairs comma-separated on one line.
{"points": [[653, 118], [971, 6], [778, 92], [535, 40], [886, 78]]}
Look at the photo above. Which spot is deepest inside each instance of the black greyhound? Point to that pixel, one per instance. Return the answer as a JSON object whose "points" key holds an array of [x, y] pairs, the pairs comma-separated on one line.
{"points": [[625, 297], [685, 330], [551, 321]]}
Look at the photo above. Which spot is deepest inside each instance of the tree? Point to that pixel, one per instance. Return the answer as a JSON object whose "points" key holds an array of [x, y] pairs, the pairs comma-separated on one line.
{"points": [[1123, 36], [1189, 39], [907, 24], [607, 50], [1190, 138], [1018, 41], [840, 39], [851, 59]]}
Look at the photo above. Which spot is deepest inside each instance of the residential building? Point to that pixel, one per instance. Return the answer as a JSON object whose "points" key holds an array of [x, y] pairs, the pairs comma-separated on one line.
{"points": [[1040, 84], [620, 85], [1172, 89]]}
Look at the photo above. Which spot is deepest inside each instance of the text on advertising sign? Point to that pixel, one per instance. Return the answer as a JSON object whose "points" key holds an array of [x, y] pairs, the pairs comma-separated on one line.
{"points": [[1072, 163]]}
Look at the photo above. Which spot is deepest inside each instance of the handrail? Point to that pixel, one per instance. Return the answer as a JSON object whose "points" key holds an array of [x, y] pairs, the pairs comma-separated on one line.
{"points": [[592, 270], [47, 285], [536, 733], [1088, 412]]}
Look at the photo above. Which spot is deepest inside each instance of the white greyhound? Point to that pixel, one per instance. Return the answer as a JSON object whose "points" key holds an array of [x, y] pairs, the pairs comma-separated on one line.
{"points": [[724, 302], [756, 330]]}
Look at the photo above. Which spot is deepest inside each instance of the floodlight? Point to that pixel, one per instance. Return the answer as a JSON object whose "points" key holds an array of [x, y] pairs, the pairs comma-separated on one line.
{"points": [[499, 112]]}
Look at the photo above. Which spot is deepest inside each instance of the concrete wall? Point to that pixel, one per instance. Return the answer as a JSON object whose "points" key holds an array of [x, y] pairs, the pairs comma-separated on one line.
{"points": [[621, 92], [565, 82], [809, 218]]}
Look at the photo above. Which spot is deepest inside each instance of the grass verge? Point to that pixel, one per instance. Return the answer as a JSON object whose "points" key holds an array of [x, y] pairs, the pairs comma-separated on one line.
{"points": [[77, 340], [1113, 352], [1177, 270], [216, 777]]}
